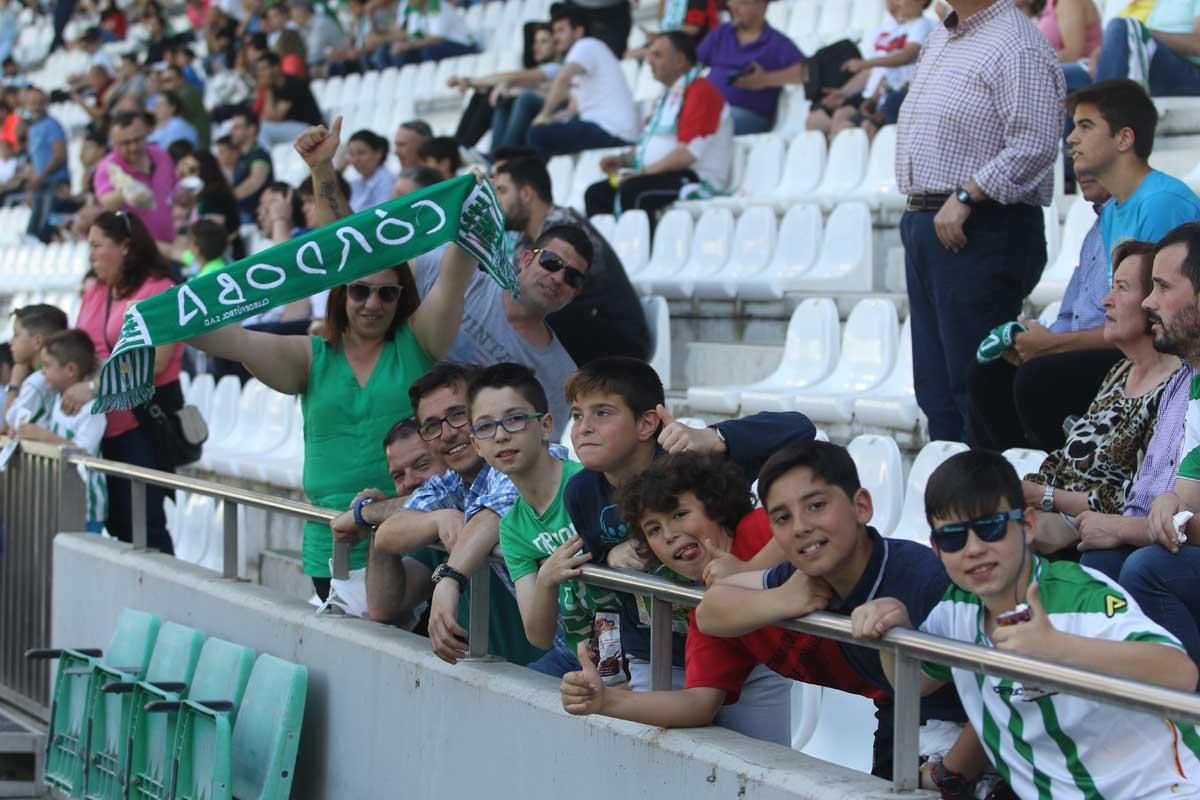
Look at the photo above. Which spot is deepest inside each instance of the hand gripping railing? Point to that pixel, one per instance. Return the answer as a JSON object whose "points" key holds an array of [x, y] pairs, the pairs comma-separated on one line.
{"points": [[909, 647]]}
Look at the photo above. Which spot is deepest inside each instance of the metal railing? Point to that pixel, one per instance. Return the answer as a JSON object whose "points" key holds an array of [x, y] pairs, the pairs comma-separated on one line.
{"points": [[48, 469]]}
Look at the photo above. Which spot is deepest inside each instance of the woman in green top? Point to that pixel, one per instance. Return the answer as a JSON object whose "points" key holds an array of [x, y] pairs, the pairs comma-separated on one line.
{"points": [[353, 382]]}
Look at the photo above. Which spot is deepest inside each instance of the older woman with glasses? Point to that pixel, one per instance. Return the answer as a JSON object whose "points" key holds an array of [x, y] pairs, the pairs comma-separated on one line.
{"points": [[379, 335], [128, 268]]}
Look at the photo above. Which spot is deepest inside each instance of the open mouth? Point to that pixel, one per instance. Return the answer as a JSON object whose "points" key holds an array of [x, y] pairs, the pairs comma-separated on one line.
{"points": [[814, 547], [506, 454], [458, 448], [982, 572], [687, 552]]}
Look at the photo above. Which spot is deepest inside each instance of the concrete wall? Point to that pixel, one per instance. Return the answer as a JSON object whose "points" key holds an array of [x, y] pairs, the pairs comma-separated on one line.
{"points": [[385, 718]]}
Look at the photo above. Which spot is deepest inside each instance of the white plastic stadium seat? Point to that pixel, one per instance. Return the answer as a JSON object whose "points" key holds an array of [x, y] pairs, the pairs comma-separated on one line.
{"points": [[913, 525], [1054, 279], [846, 263], [868, 355], [838, 737], [249, 417], [711, 244], [631, 240], [810, 352], [878, 188], [1053, 231], [672, 242], [797, 246], [222, 413], [1025, 461], [587, 172], [803, 169], [200, 393], [893, 403], [604, 224], [561, 169], [881, 472], [844, 171], [1050, 313], [761, 176], [753, 243], [658, 319]]}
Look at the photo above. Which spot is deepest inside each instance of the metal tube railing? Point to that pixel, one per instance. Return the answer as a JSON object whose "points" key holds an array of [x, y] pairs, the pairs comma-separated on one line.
{"points": [[909, 647]]}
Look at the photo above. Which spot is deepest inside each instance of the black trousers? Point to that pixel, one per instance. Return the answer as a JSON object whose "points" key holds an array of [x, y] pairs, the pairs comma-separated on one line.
{"points": [[647, 192], [136, 447], [1025, 406]]}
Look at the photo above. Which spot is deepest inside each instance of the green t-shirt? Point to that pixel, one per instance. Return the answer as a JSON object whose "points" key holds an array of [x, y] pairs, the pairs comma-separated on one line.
{"points": [[528, 539]]}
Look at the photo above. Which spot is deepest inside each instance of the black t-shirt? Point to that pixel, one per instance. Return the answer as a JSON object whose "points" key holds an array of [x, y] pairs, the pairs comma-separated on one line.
{"points": [[607, 318], [750, 441], [303, 105], [241, 171]]}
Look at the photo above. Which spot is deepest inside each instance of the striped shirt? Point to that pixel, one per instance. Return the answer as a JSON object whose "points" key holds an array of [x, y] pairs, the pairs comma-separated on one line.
{"points": [[986, 103], [1189, 465], [1055, 746]]}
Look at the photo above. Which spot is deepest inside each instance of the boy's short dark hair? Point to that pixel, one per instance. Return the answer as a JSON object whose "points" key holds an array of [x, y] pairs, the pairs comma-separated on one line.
{"points": [[210, 239], [41, 319], [718, 484], [6, 356], [419, 127], [829, 462], [972, 484], [631, 379], [571, 14], [1122, 103], [444, 373], [511, 152], [401, 430], [1188, 235], [569, 234], [507, 375], [441, 148], [73, 347], [529, 171]]}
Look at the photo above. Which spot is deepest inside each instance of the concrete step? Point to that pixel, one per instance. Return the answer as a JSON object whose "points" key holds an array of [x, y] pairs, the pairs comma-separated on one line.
{"points": [[283, 570], [715, 363], [21, 750]]}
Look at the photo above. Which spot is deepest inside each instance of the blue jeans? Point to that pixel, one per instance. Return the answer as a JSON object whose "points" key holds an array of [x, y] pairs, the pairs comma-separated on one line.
{"points": [[1171, 75], [40, 207], [956, 298], [557, 662], [1110, 562], [1167, 587], [433, 52], [560, 138], [746, 121], [511, 118]]}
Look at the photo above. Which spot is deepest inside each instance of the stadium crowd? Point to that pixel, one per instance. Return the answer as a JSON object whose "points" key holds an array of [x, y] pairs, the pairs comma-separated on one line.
{"points": [[434, 398]]}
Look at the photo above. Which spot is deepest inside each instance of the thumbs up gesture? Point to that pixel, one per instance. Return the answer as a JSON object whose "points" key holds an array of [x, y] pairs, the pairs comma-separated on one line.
{"points": [[1037, 637], [679, 438], [317, 145], [583, 691], [720, 563]]}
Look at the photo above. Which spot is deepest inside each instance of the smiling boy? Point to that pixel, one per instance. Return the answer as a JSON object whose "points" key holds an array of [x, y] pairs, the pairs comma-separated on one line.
{"points": [[1045, 744], [510, 428]]}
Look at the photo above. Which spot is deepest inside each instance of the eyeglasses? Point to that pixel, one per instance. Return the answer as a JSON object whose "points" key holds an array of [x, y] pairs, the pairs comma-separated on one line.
{"points": [[124, 215], [388, 292], [432, 429], [992, 528], [513, 423], [552, 262]]}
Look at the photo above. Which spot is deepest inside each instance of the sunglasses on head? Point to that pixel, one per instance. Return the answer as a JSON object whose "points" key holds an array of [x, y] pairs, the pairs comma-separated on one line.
{"points": [[552, 262], [992, 528], [388, 292]]}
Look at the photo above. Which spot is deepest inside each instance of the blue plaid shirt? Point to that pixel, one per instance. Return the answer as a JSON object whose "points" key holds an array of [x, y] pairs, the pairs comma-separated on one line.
{"points": [[1081, 309], [491, 489]]}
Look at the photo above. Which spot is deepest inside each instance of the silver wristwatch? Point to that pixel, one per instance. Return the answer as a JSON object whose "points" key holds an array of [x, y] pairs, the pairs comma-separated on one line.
{"points": [[1048, 498]]}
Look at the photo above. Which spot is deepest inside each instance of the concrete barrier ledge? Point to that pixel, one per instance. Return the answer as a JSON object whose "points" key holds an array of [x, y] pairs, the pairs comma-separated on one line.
{"points": [[386, 718]]}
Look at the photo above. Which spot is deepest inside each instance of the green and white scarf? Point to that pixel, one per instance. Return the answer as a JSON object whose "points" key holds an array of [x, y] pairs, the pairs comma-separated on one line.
{"points": [[362, 244]]}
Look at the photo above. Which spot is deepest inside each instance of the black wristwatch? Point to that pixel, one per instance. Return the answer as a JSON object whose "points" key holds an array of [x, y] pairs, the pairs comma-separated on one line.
{"points": [[964, 197], [447, 571]]}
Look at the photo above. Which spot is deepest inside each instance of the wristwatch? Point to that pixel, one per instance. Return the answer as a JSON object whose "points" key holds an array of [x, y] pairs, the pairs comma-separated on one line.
{"points": [[358, 506], [12, 387], [1048, 498], [964, 197], [447, 571]]}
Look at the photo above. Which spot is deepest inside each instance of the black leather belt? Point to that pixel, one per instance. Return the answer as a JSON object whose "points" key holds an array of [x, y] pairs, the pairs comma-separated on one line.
{"points": [[934, 201]]}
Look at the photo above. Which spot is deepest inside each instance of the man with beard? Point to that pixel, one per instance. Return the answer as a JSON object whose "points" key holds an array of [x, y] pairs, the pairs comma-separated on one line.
{"points": [[1164, 577], [526, 196]]}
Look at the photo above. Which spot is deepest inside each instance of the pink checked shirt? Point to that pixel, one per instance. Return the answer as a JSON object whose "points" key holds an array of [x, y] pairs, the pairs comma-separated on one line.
{"points": [[986, 103]]}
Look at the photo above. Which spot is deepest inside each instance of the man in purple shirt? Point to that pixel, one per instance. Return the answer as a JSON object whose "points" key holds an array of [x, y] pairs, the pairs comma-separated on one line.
{"points": [[749, 63], [1052, 373], [137, 177]]}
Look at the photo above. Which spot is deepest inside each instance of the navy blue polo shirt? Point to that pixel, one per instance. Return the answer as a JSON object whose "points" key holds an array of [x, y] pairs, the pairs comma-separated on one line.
{"points": [[913, 574]]}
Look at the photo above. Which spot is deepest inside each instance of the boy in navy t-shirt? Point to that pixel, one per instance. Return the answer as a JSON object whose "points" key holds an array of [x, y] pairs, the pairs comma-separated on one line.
{"points": [[819, 515]]}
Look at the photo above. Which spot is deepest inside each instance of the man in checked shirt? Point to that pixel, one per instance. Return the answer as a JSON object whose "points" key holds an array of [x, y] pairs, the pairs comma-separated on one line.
{"points": [[978, 136]]}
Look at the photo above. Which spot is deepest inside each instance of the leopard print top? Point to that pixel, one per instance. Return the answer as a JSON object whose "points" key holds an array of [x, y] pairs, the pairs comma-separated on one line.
{"points": [[1104, 447]]}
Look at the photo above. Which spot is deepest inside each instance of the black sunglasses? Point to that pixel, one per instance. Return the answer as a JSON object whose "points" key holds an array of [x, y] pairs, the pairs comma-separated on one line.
{"points": [[552, 262], [992, 528], [388, 293]]}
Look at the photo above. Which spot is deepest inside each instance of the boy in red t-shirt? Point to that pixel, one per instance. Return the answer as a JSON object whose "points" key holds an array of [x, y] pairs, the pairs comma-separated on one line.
{"points": [[694, 511]]}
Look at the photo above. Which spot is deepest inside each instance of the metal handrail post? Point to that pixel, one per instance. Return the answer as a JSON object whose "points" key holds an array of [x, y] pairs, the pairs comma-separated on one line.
{"points": [[660, 645], [137, 516], [71, 494], [229, 535], [478, 621], [907, 723]]}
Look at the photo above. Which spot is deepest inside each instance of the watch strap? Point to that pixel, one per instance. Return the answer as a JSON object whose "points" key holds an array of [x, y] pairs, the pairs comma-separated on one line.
{"points": [[446, 571], [358, 507], [964, 196]]}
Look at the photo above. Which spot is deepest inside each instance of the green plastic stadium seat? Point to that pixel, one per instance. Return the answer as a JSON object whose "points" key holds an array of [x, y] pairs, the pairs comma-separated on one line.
{"points": [[128, 651], [221, 673], [111, 700], [252, 757]]}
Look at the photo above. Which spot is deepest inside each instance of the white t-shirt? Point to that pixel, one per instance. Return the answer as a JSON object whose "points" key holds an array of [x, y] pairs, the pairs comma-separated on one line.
{"points": [[601, 93], [892, 37], [446, 22]]}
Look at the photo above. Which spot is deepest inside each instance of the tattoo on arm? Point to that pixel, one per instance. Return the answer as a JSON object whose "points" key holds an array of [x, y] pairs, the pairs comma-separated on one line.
{"points": [[328, 192]]}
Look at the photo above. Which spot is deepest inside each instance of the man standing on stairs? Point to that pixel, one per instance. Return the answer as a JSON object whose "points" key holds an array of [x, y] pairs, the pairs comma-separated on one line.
{"points": [[977, 140]]}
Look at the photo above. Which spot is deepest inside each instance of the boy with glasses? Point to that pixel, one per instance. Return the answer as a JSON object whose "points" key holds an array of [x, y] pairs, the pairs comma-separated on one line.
{"points": [[510, 429], [1045, 744]]}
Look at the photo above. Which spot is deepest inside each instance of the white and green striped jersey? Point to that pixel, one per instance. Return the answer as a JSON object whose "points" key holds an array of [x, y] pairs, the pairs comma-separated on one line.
{"points": [[1189, 462], [1052, 746], [84, 430], [35, 398]]}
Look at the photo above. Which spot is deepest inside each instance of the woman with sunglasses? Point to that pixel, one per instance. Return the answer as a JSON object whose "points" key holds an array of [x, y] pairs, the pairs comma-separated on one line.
{"points": [[353, 382], [128, 267]]}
